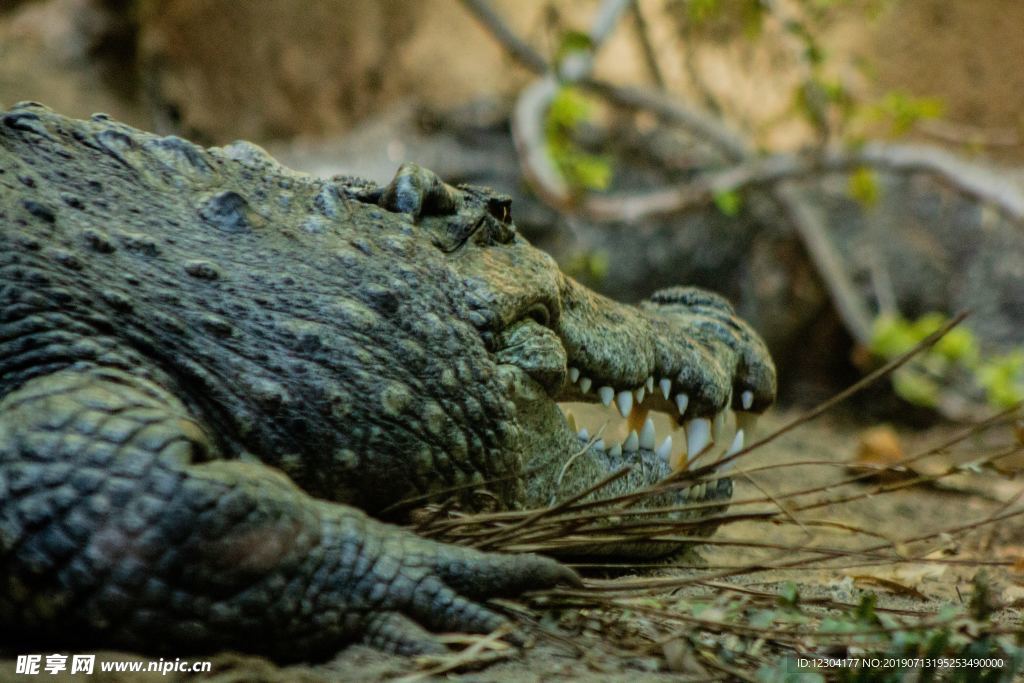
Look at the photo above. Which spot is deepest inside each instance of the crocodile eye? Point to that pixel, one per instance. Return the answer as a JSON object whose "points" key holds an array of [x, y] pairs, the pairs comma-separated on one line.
{"points": [[452, 234], [484, 231], [499, 232]]}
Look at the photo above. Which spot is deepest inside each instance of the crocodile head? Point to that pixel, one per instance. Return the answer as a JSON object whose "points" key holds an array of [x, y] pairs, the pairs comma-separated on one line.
{"points": [[596, 385]]}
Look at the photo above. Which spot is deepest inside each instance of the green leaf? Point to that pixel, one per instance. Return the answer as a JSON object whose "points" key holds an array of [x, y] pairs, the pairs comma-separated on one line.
{"points": [[589, 265], [866, 609], [591, 172], [573, 41], [959, 345], [729, 202], [762, 618], [582, 171], [836, 625], [702, 10], [1002, 378], [903, 110], [790, 596], [927, 324], [568, 109], [915, 387], [753, 18], [811, 102], [891, 336], [864, 186]]}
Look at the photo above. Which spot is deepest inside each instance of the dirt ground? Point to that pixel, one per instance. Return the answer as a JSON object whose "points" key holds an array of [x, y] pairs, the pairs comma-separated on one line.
{"points": [[580, 649]]}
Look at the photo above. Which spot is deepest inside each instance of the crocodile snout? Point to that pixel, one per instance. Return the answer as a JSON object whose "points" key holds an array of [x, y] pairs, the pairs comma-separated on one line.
{"points": [[682, 374]]}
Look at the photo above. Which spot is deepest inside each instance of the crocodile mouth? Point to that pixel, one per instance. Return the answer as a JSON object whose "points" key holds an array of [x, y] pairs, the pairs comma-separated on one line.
{"points": [[628, 424]]}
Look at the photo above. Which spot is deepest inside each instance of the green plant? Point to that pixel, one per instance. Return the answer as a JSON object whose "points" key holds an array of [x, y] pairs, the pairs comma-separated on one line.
{"points": [[999, 378], [902, 110], [864, 186], [729, 202], [582, 170]]}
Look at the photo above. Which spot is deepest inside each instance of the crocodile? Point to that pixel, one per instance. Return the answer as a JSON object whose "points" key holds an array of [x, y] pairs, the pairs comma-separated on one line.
{"points": [[220, 378]]}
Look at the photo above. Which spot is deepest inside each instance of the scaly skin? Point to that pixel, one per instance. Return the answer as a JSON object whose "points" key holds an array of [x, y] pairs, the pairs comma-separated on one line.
{"points": [[212, 368]]}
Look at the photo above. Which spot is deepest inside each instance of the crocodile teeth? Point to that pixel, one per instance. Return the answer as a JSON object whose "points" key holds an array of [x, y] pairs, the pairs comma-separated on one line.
{"points": [[665, 449], [647, 435], [574, 375], [737, 444], [632, 443], [640, 393], [666, 387], [734, 448], [606, 395], [650, 384], [677, 461], [615, 451], [698, 436], [599, 444], [718, 427], [625, 402], [584, 434], [682, 401], [571, 419], [747, 399], [585, 383]]}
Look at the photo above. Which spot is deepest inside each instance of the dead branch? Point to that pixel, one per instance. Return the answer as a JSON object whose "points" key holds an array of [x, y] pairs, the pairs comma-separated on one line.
{"points": [[538, 167], [809, 223], [644, 37], [673, 113], [520, 50], [971, 136], [975, 181], [778, 174]]}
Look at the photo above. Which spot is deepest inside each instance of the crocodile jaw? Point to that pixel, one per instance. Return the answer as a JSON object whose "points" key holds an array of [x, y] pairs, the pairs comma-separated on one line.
{"points": [[632, 422]]}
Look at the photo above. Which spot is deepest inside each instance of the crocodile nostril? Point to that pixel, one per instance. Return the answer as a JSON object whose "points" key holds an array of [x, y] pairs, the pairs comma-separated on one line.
{"points": [[691, 297], [500, 206], [539, 314]]}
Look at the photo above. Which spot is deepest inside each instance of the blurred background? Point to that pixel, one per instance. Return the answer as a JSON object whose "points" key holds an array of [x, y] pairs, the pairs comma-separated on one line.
{"points": [[847, 172]]}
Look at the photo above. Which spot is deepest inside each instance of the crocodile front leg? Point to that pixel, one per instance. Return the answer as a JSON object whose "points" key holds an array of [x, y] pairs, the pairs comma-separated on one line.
{"points": [[117, 528]]}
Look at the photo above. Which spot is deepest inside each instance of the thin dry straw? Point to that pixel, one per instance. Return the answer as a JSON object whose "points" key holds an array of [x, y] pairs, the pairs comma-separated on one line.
{"points": [[536, 533]]}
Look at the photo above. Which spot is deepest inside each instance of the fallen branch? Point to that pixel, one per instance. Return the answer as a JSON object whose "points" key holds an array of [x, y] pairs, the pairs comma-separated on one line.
{"points": [[520, 50], [537, 165], [646, 47], [975, 181], [971, 136], [809, 224], [671, 112]]}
